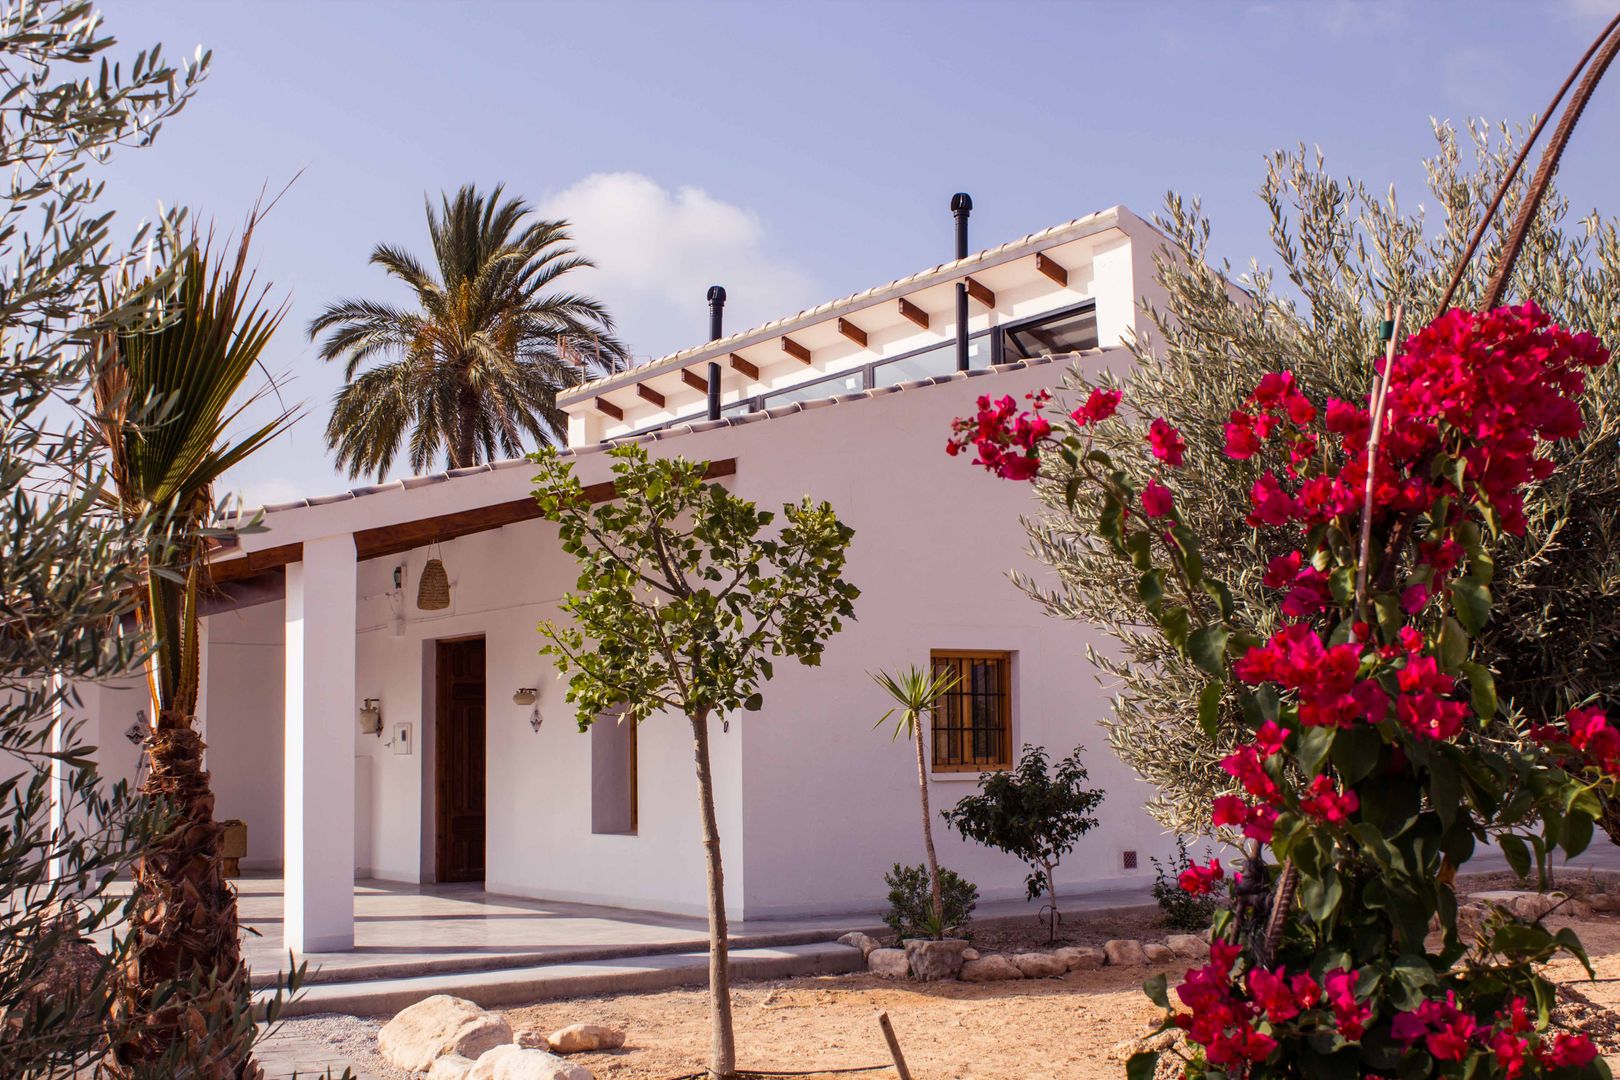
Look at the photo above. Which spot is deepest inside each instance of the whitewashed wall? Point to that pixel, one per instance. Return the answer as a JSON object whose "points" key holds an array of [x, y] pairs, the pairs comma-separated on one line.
{"points": [[243, 724]]}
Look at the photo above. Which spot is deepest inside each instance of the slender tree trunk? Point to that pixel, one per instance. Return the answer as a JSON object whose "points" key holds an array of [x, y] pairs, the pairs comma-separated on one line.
{"points": [[185, 928], [936, 894], [722, 1041], [1051, 894]]}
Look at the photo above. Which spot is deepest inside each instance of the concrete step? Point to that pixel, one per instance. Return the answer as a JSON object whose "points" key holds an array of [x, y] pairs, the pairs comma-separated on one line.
{"points": [[350, 971], [520, 986]]}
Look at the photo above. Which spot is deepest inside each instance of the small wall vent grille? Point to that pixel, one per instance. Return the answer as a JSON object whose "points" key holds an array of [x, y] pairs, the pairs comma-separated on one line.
{"points": [[1130, 860]]}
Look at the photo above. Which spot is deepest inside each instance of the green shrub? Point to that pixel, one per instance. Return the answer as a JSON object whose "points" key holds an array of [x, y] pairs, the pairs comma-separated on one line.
{"points": [[910, 907], [1182, 910]]}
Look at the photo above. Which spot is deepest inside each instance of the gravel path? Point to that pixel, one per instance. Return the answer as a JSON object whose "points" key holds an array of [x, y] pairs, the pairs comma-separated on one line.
{"points": [[307, 1046]]}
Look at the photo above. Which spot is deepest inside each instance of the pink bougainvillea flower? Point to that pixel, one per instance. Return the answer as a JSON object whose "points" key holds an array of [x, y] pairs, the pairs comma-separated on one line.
{"points": [[1098, 407], [1326, 803], [1200, 880], [1156, 500], [1167, 443]]}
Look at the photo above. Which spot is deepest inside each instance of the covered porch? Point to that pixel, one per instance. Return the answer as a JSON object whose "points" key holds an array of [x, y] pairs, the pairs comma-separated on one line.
{"points": [[408, 930]]}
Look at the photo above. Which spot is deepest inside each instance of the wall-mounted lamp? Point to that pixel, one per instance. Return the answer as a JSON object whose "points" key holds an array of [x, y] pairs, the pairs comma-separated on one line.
{"points": [[371, 717], [528, 695]]}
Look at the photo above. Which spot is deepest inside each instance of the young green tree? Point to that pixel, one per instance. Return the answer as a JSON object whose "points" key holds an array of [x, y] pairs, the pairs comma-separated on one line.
{"points": [[685, 598], [915, 692], [1341, 248], [1033, 814]]}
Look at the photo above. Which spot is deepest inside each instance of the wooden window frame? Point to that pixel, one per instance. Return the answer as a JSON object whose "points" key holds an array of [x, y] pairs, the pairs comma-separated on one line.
{"points": [[964, 734]]}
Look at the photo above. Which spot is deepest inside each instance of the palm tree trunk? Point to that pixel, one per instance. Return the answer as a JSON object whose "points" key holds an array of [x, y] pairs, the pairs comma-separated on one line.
{"points": [[722, 1040], [464, 450], [936, 894], [184, 920]]}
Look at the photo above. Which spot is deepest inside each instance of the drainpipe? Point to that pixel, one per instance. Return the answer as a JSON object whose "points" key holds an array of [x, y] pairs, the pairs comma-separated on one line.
{"points": [[961, 207], [717, 305]]}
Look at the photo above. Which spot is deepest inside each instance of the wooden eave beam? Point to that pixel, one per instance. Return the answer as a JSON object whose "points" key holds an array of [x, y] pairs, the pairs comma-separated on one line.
{"points": [[979, 292], [647, 393], [1051, 269], [743, 366], [914, 313], [393, 539], [603, 405], [694, 380], [853, 332], [405, 535], [255, 563], [795, 350]]}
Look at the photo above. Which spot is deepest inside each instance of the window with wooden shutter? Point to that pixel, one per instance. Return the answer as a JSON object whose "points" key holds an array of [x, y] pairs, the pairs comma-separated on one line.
{"points": [[972, 724]]}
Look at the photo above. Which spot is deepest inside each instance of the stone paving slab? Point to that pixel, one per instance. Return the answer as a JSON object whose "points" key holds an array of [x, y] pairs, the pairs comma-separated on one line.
{"points": [[285, 1056]]}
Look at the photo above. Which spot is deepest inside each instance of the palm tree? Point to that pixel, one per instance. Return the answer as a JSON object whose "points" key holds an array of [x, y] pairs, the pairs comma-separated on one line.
{"points": [[164, 400], [477, 366], [915, 693]]}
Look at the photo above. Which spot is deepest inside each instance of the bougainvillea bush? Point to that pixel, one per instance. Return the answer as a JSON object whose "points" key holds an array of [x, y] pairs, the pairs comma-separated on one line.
{"points": [[1366, 772]]}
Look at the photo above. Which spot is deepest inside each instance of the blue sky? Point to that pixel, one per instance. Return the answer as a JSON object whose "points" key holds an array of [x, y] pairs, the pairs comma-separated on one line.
{"points": [[795, 151]]}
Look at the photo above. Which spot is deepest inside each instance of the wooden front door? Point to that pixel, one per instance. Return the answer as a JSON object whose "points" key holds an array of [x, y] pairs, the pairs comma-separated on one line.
{"points": [[459, 747]]}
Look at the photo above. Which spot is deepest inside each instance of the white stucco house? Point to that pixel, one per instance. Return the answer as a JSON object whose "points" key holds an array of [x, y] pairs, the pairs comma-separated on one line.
{"points": [[477, 771]]}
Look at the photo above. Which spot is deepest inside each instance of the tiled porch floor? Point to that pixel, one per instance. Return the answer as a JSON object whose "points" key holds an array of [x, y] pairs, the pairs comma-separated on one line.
{"points": [[406, 929]]}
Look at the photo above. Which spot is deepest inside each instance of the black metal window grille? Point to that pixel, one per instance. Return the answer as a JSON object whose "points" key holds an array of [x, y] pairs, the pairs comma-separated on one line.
{"points": [[972, 724]]}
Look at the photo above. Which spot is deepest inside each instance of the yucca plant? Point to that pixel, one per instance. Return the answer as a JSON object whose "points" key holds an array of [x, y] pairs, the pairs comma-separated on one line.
{"points": [[915, 694], [166, 399], [474, 370]]}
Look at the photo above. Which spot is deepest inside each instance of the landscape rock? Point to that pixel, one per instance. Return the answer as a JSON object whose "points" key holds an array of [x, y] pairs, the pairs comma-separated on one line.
{"points": [[1080, 958], [864, 942], [584, 1038], [1604, 902], [450, 1067], [888, 963], [932, 961], [437, 1026], [1038, 965], [1158, 954], [1125, 953], [530, 1039], [1188, 946], [970, 953], [992, 968], [513, 1062], [1524, 904]]}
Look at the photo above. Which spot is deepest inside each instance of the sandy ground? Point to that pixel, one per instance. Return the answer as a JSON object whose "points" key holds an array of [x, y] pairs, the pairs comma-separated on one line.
{"points": [[822, 1028]]}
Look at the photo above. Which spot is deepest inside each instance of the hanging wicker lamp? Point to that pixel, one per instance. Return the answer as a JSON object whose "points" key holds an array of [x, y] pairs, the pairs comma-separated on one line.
{"points": [[433, 590]]}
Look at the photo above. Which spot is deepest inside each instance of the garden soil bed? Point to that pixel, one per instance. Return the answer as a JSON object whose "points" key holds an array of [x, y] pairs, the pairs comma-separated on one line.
{"points": [[1078, 1027], [1050, 1029]]}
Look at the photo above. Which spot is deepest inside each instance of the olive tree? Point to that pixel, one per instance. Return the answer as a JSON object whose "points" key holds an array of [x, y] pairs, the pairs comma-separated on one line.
{"points": [[1341, 248], [685, 598]]}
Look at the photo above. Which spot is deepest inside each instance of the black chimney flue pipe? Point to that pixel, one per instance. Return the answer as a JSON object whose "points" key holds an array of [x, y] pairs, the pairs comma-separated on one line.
{"points": [[961, 207], [717, 307]]}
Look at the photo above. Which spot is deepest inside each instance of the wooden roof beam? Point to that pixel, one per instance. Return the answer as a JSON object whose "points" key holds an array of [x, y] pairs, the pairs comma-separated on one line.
{"points": [[980, 292], [914, 313], [647, 393], [743, 366], [405, 535], [853, 332], [795, 350], [603, 405], [694, 380], [1051, 269]]}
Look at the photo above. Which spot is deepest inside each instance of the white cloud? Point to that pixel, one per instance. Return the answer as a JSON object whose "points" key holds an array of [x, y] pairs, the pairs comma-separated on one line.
{"points": [[658, 250]]}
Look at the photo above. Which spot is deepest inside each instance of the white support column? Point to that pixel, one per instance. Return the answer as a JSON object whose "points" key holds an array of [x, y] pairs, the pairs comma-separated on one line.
{"points": [[320, 748]]}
